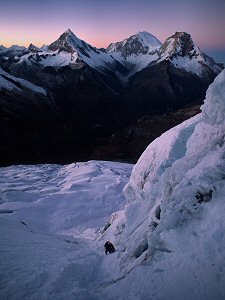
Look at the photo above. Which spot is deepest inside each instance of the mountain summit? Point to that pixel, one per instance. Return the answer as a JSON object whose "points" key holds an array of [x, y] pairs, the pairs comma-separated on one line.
{"points": [[68, 42], [140, 43], [80, 51], [184, 54], [180, 43], [33, 48]]}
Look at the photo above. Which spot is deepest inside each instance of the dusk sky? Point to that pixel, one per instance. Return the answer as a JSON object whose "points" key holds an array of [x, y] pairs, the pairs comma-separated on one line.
{"points": [[100, 22]]}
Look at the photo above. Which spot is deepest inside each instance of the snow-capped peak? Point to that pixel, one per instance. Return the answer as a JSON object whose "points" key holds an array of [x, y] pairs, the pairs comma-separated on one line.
{"points": [[33, 48], [69, 31], [68, 42], [68, 49], [71, 37], [140, 43], [148, 39], [184, 54], [178, 44]]}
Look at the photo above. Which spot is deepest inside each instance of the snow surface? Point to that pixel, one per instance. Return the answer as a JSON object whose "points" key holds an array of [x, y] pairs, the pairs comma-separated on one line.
{"points": [[50, 58], [190, 65], [134, 62], [149, 40], [169, 239], [6, 84], [195, 64], [51, 219]]}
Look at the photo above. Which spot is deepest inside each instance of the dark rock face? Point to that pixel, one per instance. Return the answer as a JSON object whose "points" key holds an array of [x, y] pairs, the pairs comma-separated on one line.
{"points": [[64, 43], [68, 42], [161, 88], [64, 126], [181, 44], [33, 48], [129, 143], [133, 46]]}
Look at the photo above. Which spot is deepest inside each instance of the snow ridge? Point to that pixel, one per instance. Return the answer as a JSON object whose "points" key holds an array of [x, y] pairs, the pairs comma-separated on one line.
{"points": [[12, 84]]}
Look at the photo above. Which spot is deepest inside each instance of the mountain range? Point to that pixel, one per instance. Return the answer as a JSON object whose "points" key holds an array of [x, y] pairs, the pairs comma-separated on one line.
{"points": [[63, 101]]}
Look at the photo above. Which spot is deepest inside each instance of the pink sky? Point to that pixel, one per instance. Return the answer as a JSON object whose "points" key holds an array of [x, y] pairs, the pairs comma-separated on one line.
{"points": [[101, 22]]}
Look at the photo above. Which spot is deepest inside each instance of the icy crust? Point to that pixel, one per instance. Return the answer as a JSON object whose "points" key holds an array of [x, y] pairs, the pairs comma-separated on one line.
{"points": [[213, 110], [177, 181], [158, 156], [188, 264], [12, 84]]}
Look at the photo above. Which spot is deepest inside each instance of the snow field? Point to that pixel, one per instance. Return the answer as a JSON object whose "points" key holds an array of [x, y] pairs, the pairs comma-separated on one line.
{"points": [[48, 205], [44, 266], [73, 200]]}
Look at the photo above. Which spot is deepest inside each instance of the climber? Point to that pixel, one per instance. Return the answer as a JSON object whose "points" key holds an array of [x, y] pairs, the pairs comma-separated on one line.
{"points": [[109, 247]]}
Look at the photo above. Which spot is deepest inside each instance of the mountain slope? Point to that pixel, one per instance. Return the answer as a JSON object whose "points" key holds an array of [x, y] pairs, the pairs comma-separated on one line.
{"points": [[40, 256], [9, 82], [174, 217], [135, 52]]}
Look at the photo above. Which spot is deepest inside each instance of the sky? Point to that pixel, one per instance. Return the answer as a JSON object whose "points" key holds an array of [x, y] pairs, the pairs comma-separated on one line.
{"points": [[100, 22]]}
